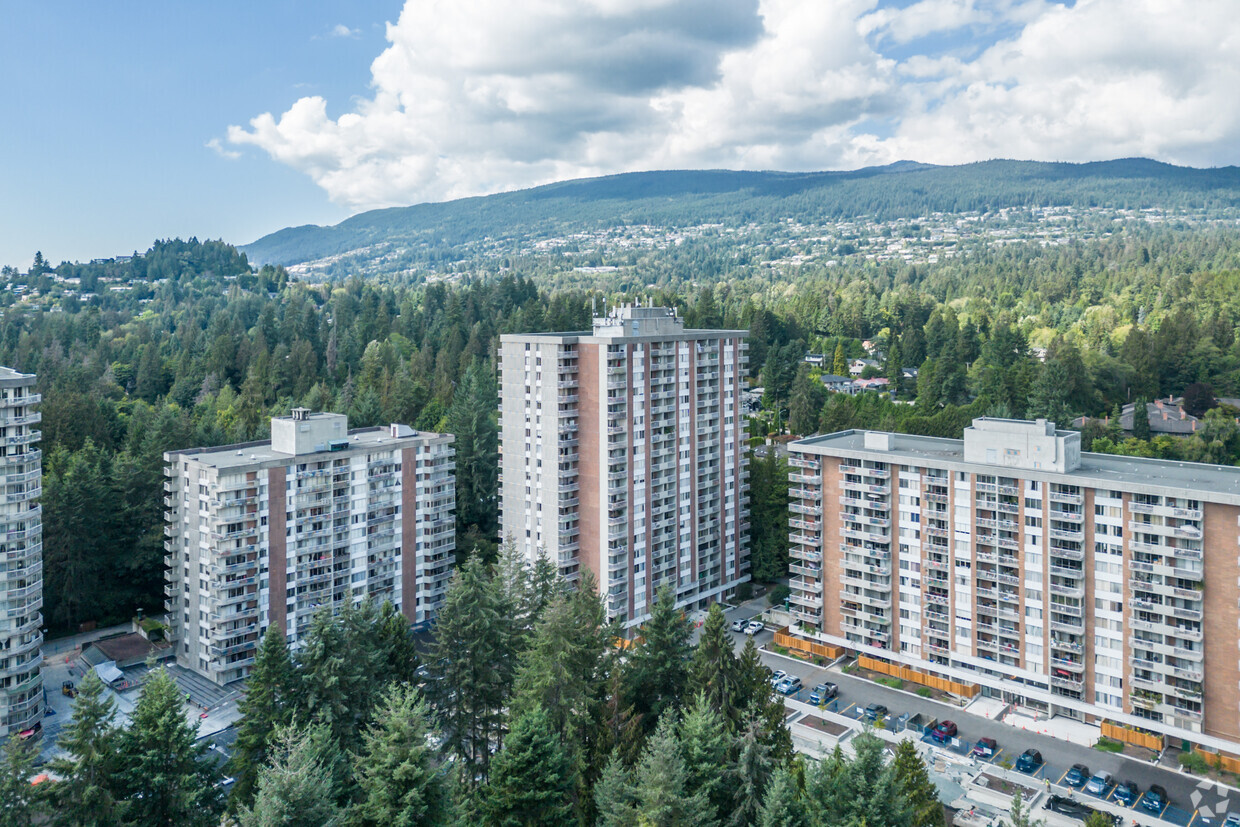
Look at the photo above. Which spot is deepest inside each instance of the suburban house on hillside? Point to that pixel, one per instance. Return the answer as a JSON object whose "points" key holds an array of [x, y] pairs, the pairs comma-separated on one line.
{"points": [[838, 384]]}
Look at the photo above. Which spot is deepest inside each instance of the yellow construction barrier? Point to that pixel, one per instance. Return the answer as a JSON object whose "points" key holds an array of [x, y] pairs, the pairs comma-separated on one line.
{"points": [[895, 670], [1129, 735]]}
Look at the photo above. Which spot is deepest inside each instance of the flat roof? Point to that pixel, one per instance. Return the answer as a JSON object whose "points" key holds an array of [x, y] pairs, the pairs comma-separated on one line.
{"points": [[251, 454], [1210, 482], [572, 337]]}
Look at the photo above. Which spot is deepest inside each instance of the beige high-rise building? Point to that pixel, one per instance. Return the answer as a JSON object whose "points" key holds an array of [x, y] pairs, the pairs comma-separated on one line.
{"points": [[21, 555], [270, 533], [1094, 586], [624, 453]]}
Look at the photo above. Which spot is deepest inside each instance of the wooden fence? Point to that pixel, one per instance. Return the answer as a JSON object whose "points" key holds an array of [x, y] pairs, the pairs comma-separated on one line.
{"points": [[1136, 737], [895, 670], [1228, 762], [805, 647]]}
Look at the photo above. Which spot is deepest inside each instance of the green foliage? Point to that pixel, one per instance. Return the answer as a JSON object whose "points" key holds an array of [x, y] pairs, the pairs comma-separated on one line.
{"points": [[532, 780], [22, 805], [267, 704], [663, 798], [1021, 815], [1190, 760], [713, 671], [472, 665], [783, 805], [166, 777], [657, 676], [86, 791], [472, 420], [919, 791], [1105, 744], [399, 779], [295, 789], [861, 790], [768, 517]]}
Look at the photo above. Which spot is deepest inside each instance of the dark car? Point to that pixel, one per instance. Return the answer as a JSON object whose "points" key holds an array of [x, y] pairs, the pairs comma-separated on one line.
{"points": [[822, 693], [1029, 761], [1155, 800], [943, 731], [1075, 809], [985, 748], [1127, 792], [1077, 776], [874, 712]]}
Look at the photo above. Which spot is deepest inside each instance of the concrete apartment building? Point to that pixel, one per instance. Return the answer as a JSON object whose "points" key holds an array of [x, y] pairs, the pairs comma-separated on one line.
{"points": [[624, 453], [271, 532], [21, 555], [1071, 582]]}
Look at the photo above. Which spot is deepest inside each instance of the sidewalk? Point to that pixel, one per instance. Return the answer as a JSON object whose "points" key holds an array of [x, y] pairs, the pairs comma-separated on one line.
{"points": [[1065, 729]]}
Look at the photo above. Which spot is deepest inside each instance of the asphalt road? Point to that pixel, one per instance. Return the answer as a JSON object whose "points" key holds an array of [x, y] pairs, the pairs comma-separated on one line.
{"points": [[1187, 792]]}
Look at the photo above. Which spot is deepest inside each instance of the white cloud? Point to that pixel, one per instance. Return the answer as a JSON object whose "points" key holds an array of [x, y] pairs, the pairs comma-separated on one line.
{"points": [[216, 146], [476, 96], [341, 30]]}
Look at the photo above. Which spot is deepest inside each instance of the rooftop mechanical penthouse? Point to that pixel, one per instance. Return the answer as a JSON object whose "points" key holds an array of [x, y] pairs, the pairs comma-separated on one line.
{"points": [[1094, 586]]}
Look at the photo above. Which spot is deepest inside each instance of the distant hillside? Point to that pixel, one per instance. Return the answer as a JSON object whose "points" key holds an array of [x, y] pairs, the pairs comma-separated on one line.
{"points": [[693, 197]]}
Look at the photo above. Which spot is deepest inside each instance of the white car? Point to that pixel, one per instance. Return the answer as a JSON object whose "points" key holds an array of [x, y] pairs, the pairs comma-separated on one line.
{"points": [[754, 627]]}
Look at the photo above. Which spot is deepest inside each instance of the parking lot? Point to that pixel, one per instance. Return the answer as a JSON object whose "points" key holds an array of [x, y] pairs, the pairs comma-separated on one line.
{"points": [[1193, 802]]}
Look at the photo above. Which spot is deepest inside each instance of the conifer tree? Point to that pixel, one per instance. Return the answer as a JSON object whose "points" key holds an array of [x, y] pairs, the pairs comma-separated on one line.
{"points": [[472, 419], [85, 793], [294, 789], [532, 780], [399, 650], [614, 796], [267, 704], [400, 781], [472, 668], [919, 791], [335, 678], [662, 784], [839, 363], [714, 669], [783, 806], [753, 770], [657, 673], [705, 747], [20, 803], [167, 776]]}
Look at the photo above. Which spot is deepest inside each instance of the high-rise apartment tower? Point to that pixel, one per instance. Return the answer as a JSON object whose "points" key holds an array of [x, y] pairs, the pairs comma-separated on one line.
{"points": [[1089, 585], [624, 454], [21, 556], [319, 517]]}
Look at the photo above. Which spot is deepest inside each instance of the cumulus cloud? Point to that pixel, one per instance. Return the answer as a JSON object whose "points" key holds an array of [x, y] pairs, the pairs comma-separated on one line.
{"points": [[217, 146], [476, 96], [341, 30]]}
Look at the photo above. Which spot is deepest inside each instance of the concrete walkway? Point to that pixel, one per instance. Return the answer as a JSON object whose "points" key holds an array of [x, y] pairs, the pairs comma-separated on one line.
{"points": [[66, 644]]}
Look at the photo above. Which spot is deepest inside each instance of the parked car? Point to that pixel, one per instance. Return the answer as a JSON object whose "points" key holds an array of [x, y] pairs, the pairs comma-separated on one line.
{"points": [[1155, 800], [789, 685], [754, 626], [985, 748], [1029, 761], [943, 731], [1075, 809], [777, 676], [823, 692], [874, 712], [738, 625], [1127, 793], [1077, 776], [1232, 820], [1099, 784]]}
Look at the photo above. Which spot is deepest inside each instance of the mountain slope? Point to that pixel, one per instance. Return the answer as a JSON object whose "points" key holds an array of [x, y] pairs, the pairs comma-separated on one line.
{"points": [[682, 198]]}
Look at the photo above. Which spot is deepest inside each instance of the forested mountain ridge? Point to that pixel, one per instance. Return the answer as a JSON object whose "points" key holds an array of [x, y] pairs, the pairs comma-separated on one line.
{"points": [[393, 240]]}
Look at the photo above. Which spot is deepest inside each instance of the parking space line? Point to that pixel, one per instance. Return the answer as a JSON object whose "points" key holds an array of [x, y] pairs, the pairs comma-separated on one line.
{"points": [[1138, 801], [994, 759], [1065, 775], [1193, 820], [847, 710]]}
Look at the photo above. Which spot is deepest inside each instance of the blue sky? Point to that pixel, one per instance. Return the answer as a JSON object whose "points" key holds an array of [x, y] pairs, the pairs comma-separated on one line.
{"points": [[127, 122]]}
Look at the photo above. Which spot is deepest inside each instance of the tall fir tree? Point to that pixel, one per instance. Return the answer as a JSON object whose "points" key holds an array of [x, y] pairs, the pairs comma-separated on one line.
{"points": [[615, 798], [753, 770], [167, 776], [663, 799], [839, 362], [400, 781], [472, 420], [705, 747], [714, 668], [471, 665], [532, 780], [294, 788], [267, 704], [783, 806], [21, 804], [919, 791], [84, 795], [397, 646], [657, 675]]}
